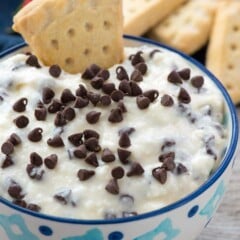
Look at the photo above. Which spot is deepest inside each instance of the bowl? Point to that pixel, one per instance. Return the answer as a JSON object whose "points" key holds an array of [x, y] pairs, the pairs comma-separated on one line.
{"points": [[181, 220]]}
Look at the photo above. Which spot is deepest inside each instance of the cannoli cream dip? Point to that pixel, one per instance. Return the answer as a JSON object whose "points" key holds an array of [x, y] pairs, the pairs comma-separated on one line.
{"points": [[107, 143]]}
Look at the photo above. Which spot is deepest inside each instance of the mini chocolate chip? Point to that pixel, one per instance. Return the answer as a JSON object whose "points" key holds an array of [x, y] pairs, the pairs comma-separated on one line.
{"points": [[63, 196], [97, 82], [104, 73], [137, 58], [167, 144], [122, 73], [212, 153], [184, 96], [112, 187], [76, 139], [174, 77], [68, 113], [80, 102], [92, 144], [55, 71], [15, 139], [84, 174], [184, 73], [21, 121], [33, 61], [20, 105], [117, 172], [169, 155], [60, 120], [94, 98], [56, 141], [135, 170], [142, 68], [55, 106], [34, 207], [108, 88], [143, 102], [181, 169], [153, 52], [91, 72], [127, 130], [123, 155], [89, 133], [7, 162], [81, 91], [135, 89], [122, 106], [124, 140], [125, 87], [107, 155], [93, 117], [115, 115], [36, 159], [35, 135], [160, 174], [15, 190], [80, 152], [168, 164], [67, 96], [92, 160], [151, 94], [197, 82], [105, 100], [136, 76], [129, 214], [117, 95], [19, 202], [7, 148], [51, 161], [47, 95], [34, 172], [40, 113], [167, 100]]}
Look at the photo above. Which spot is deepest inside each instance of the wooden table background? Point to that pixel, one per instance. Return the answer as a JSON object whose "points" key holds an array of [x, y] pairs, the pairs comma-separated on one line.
{"points": [[226, 223]]}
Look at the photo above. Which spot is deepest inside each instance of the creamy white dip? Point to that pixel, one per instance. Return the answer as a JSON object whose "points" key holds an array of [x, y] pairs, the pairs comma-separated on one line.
{"points": [[192, 131]]}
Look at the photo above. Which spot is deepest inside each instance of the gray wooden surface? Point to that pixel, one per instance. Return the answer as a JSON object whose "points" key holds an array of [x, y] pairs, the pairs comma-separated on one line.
{"points": [[226, 223]]}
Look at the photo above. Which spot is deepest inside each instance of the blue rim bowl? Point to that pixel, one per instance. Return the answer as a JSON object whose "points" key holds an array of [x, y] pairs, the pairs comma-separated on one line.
{"points": [[212, 179]]}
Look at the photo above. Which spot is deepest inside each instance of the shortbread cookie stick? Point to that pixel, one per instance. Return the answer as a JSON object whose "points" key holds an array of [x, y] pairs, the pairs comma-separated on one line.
{"points": [[141, 15], [73, 33], [188, 28], [223, 55]]}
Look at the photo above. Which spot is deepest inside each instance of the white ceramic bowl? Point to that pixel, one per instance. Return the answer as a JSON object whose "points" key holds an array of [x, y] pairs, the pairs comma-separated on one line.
{"points": [[182, 220]]}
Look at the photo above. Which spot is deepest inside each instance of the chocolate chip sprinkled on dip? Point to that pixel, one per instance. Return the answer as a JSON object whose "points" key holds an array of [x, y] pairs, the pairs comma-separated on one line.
{"points": [[107, 143]]}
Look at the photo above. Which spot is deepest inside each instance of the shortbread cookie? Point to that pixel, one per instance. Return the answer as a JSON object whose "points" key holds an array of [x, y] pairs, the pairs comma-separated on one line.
{"points": [[73, 33], [141, 15], [223, 55], [188, 28]]}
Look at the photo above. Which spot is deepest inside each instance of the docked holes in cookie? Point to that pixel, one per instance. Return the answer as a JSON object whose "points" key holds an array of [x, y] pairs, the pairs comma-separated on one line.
{"points": [[229, 86], [69, 61], [106, 25], [55, 44], [88, 26], [105, 49], [71, 32], [86, 52], [230, 66], [233, 46], [235, 28]]}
